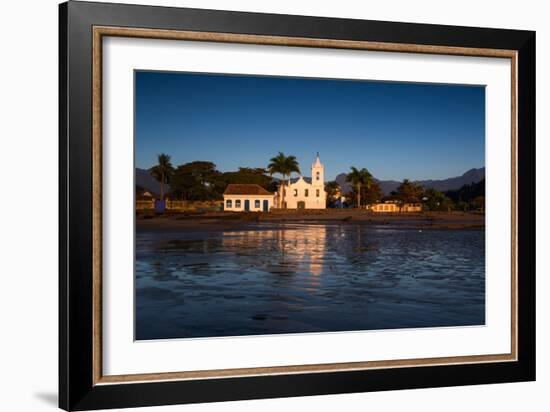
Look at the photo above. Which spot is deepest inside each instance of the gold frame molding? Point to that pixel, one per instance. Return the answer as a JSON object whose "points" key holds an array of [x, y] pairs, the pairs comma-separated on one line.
{"points": [[101, 31]]}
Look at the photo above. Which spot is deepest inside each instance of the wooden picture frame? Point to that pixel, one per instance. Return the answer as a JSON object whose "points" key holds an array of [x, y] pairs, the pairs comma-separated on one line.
{"points": [[82, 385]]}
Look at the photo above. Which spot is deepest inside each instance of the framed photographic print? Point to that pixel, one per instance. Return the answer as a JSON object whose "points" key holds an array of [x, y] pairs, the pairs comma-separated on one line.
{"points": [[257, 205]]}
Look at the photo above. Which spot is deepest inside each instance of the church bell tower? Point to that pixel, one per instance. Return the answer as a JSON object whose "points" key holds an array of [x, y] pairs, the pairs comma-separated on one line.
{"points": [[318, 173]]}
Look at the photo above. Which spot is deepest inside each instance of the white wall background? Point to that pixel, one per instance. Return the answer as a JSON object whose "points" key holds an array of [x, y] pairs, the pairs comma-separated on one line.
{"points": [[28, 230]]}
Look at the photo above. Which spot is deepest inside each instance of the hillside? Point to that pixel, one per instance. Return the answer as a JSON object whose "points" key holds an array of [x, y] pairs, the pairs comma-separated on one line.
{"points": [[451, 183], [146, 181]]}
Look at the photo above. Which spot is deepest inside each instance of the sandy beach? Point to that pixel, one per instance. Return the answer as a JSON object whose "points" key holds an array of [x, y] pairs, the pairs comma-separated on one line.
{"points": [[234, 220]]}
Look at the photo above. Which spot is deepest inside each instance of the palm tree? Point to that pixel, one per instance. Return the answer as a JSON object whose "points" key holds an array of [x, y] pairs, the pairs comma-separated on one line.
{"points": [[359, 178], [285, 166], [162, 172]]}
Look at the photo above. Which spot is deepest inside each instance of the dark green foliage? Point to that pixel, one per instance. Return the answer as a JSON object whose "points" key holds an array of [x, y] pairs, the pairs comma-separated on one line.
{"points": [[469, 197], [409, 192], [359, 178], [333, 192], [478, 203], [437, 201], [257, 176], [369, 195], [198, 180]]}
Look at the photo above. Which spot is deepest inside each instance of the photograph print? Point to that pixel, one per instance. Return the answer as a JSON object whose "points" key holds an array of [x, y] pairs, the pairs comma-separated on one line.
{"points": [[270, 205]]}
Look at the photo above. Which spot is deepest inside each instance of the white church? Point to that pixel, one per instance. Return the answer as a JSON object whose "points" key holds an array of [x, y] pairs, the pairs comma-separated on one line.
{"points": [[306, 193], [300, 193]]}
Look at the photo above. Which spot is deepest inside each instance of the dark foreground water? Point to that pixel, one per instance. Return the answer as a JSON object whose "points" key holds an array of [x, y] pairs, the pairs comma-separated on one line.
{"points": [[271, 278]]}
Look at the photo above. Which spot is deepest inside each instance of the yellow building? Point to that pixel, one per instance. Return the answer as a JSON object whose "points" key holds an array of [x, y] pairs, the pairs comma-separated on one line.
{"points": [[393, 207]]}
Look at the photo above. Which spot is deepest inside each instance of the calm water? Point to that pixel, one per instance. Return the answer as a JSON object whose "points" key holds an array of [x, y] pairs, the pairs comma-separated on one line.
{"points": [[289, 278]]}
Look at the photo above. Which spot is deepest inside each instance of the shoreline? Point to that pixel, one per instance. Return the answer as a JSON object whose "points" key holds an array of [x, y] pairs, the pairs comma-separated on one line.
{"points": [[214, 221]]}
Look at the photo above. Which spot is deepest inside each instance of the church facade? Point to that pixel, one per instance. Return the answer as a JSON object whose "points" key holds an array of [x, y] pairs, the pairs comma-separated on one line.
{"points": [[305, 193]]}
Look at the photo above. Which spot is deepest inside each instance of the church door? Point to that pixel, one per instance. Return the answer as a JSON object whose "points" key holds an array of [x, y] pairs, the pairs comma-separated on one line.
{"points": [[266, 206], [247, 205]]}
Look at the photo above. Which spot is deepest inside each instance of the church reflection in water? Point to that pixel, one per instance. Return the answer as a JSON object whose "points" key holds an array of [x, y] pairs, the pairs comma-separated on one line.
{"points": [[290, 249], [282, 277]]}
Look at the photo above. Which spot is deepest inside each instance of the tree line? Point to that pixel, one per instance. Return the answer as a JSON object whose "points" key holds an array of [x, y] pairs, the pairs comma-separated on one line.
{"points": [[366, 191], [200, 180]]}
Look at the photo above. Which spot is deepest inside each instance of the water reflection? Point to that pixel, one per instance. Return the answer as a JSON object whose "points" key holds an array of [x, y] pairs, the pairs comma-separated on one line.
{"points": [[286, 278], [291, 248]]}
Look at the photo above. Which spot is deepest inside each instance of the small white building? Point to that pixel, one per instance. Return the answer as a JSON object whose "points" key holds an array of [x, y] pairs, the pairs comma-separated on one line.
{"points": [[247, 198], [307, 193]]}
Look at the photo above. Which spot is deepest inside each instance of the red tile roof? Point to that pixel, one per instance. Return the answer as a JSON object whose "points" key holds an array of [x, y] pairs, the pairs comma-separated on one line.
{"points": [[246, 189]]}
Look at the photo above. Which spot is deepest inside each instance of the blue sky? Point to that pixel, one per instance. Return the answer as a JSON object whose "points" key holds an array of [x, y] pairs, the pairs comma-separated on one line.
{"points": [[395, 130]]}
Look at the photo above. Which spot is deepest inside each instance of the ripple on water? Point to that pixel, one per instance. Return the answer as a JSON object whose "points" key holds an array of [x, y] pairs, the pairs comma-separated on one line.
{"points": [[292, 278]]}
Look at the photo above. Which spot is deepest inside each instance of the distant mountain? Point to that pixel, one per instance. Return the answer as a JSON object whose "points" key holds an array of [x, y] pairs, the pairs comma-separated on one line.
{"points": [[452, 183], [147, 182]]}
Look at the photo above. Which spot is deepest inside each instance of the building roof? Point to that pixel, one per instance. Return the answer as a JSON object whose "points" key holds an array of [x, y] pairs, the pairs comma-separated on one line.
{"points": [[142, 192], [246, 189], [295, 179]]}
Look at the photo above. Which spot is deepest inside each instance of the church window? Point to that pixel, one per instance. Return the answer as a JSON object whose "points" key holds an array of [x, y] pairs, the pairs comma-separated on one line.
{"points": [[317, 175], [256, 203], [238, 203], [317, 193], [306, 193], [228, 203], [295, 192]]}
